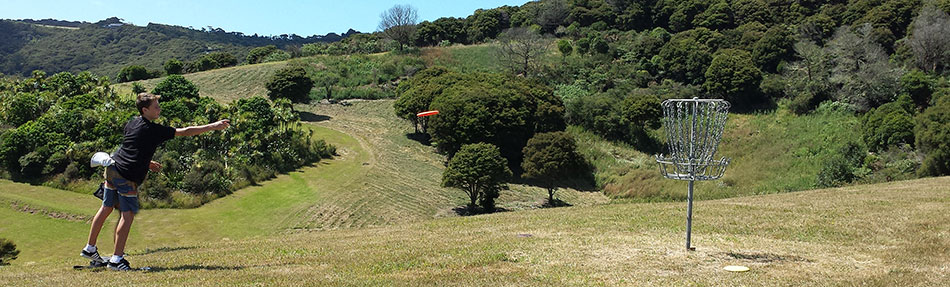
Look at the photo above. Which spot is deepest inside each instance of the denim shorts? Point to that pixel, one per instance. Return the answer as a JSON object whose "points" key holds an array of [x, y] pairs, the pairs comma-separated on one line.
{"points": [[125, 194]]}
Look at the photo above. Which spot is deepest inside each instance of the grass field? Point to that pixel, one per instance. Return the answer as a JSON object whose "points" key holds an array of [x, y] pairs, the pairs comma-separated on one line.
{"points": [[894, 234], [380, 177], [225, 85]]}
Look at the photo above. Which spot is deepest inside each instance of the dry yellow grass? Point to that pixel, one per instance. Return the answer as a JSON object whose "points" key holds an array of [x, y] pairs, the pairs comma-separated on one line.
{"points": [[894, 234]]}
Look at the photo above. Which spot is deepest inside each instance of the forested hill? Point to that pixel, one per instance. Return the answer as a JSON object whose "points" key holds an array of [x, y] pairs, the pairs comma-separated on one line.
{"points": [[106, 46]]}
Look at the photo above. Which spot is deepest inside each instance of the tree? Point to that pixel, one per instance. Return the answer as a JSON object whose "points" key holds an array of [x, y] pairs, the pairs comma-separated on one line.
{"points": [[223, 59], [734, 77], [416, 94], [485, 24], [290, 83], [930, 39], [173, 67], [398, 23], [774, 47], [890, 124], [493, 108], [933, 138], [861, 69], [919, 85], [326, 79], [480, 171], [808, 80], [132, 73], [551, 158], [521, 49], [176, 87], [8, 251], [564, 46], [258, 54]]}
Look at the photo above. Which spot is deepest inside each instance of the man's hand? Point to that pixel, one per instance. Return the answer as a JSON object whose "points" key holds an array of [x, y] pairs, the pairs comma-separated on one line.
{"points": [[154, 166], [220, 125]]}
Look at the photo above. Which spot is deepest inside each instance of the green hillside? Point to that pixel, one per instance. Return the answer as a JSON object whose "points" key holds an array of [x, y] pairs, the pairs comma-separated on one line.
{"points": [[102, 50]]}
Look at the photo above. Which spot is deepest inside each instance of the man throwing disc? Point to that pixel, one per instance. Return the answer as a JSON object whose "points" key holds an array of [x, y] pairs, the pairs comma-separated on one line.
{"points": [[132, 162]]}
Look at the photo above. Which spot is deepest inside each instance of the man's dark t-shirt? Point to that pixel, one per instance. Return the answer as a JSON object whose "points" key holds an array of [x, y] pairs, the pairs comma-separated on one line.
{"points": [[142, 137]]}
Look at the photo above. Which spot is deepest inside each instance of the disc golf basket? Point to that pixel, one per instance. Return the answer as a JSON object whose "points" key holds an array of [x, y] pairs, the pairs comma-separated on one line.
{"points": [[693, 130]]}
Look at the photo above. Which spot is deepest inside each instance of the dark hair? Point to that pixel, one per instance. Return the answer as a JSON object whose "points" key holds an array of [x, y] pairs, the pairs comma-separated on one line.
{"points": [[144, 100]]}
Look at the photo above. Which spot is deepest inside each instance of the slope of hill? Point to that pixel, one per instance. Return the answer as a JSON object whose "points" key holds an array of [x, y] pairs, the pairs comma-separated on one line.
{"points": [[104, 50]]}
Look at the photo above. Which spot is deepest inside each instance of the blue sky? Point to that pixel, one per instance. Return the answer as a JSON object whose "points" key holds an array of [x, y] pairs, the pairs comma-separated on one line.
{"points": [[263, 17]]}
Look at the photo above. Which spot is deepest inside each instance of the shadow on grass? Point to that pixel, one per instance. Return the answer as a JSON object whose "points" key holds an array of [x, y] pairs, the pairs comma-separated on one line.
{"points": [[466, 210], [555, 203], [423, 138], [162, 249], [764, 257], [195, 267], [313, 118]]}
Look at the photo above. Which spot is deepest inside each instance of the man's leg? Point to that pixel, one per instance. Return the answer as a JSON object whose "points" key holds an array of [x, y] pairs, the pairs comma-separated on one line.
{"points": [[122, 232], [97, 222]]}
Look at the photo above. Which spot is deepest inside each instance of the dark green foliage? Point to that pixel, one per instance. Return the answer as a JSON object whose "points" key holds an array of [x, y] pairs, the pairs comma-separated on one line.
{"points": [[290, 83], [416, 94], [206, 178], [552, 159], [492, 108], [919, 86], [933, 138], [222, 59], [87, 117], [687, 55], [176, 87], [839, 168], [617, 116], [486, 24], [8, 251], [138, 88], [564, 46], [257, 55], [132, 73], [733, 76], [173, 67], [774, 46], [21, 108], [449, 29], [480, 171], [890, 124]]}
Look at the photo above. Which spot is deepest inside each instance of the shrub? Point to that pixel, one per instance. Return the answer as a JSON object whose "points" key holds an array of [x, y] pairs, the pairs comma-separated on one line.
{"points": [[933, 138], [290, 83], [175, 87], [889, 124], [132, 73], [8, 251]]}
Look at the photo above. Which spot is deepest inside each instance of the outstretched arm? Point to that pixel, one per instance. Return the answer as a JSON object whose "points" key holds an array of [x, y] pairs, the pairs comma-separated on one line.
{"points": [[196, 130]]}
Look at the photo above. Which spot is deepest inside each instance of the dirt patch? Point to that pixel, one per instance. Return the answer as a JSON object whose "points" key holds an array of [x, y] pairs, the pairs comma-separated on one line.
{"points": [[22, 207]]}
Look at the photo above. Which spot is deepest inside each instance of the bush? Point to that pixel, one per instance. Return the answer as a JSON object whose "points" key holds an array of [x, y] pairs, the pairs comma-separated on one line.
{"points": [[290, 83], [175, 87], [840, 168], [8, 251], [173, 67], [733, 76], [890, 124], [552, 158], [132, 73], [933, 138]]}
